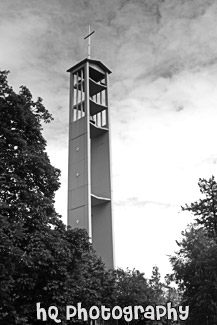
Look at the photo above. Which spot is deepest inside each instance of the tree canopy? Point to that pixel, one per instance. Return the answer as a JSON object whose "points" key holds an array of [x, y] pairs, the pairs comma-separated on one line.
{"points": [[195, 264], [28, 180], [40, 260]]}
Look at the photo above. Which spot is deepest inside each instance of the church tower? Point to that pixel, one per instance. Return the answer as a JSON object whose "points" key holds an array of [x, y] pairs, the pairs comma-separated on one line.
{"points": [[89, 174]]}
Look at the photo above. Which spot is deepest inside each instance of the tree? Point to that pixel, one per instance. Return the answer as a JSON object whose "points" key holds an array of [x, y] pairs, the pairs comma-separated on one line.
{"points": [[40, 260], [171, 292], [195, 264], [131, 288], [157, 287], [195, 268], [28, 180], [205, 210]]}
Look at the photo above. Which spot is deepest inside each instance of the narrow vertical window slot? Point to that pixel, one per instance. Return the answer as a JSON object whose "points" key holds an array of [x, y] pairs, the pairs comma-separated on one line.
{"points": [[82, 108], [77, 97]]}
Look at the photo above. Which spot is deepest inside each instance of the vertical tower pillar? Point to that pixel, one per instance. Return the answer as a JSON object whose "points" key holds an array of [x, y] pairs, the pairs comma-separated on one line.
{"points": [[89, 173]]}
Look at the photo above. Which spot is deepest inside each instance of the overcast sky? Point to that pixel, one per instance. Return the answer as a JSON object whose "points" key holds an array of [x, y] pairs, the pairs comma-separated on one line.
{"points": [[163, 103]]}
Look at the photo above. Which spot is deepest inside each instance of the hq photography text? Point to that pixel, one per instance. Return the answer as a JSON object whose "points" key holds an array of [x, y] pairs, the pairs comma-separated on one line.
{"points": [[129, 313]]}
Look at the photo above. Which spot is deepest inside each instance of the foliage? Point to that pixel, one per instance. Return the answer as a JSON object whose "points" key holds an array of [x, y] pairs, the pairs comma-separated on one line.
{"points": [[195, 264], [157, 287], [28, 180], [205, 209], [171, 292], [131, 288], [40, 260]]}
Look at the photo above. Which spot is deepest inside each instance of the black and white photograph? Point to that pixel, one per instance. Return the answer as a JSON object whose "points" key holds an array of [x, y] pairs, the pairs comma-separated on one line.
{"points": [[108, 162]]}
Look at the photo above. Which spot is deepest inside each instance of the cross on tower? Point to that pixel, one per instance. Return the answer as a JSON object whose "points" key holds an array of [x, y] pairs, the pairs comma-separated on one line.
{"points": [[89, 45]]}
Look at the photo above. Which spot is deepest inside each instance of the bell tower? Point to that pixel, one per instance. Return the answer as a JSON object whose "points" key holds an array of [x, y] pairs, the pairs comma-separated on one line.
{"points": [[89, 172]]}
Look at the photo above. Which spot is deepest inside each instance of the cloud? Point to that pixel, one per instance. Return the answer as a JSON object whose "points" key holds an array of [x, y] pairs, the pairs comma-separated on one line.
{"points": [[134, 201], [184, 40], [16, 38]]}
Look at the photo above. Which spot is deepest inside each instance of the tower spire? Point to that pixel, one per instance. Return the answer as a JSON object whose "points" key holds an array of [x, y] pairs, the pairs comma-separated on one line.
{"points": [[89, 43]]}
